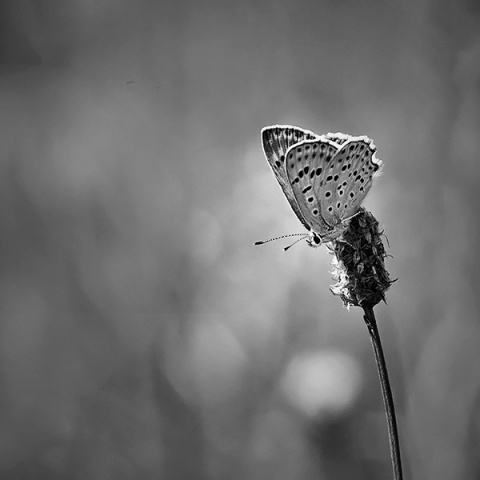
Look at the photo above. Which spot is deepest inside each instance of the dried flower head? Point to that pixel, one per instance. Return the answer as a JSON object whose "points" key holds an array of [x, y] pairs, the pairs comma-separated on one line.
{"points": [[359, 263]]}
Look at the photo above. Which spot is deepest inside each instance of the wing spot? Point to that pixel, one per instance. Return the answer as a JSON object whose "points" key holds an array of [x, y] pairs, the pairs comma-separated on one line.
{"points": [[292, 165], [306, 169], [352, 194], [299, 150], [278, 164], [344, 167], [318, 171], [307, 189], [300, 173], [315, 211], [310, 199], [335, 178], [328, 194], [312, 173], [344, 184], [340, 193], [355, 172], [329, 178], [307, 147], [330, 209], [338, 205]]}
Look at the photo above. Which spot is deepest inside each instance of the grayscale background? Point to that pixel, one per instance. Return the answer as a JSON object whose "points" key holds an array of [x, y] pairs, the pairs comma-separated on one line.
{"points": [[142, 336]]}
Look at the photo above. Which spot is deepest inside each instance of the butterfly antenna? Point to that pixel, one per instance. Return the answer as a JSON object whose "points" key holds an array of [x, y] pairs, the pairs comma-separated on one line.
{"points": [[295, 242], [261, 242]]}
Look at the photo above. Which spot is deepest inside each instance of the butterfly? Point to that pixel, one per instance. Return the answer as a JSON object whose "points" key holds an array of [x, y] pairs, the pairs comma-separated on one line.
{"points": [[324, 177]]}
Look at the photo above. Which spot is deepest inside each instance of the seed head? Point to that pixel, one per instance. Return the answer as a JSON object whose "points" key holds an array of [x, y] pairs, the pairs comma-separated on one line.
{"points": [[359, 263]]}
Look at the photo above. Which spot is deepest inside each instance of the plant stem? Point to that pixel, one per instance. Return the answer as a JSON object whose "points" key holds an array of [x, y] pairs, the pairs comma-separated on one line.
{"points": [[369, 318]]}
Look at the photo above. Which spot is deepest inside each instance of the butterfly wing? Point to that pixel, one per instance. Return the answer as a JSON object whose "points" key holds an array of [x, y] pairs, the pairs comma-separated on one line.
{"points": [[339, 137], [276, 140], [348, 179], [307, 166]]}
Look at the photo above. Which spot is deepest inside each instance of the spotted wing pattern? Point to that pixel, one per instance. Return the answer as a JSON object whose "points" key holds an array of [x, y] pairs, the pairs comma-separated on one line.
{"points": [[276, 140], [306, 165], [330, 181], [348, 180]]}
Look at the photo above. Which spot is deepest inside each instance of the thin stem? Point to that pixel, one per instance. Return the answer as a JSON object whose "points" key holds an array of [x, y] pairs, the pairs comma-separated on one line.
{"points": [[369, 318]]}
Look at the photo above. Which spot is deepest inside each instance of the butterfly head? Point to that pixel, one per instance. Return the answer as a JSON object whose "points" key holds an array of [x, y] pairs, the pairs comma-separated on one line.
{"points": [[314, 240]]}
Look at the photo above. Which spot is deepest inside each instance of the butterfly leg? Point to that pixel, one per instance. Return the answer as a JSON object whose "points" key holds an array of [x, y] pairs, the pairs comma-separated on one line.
{"points": [[346, 221]]}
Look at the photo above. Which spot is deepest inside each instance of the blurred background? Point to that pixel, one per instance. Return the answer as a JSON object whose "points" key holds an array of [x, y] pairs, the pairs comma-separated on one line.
{"points": [[141, 334]]}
